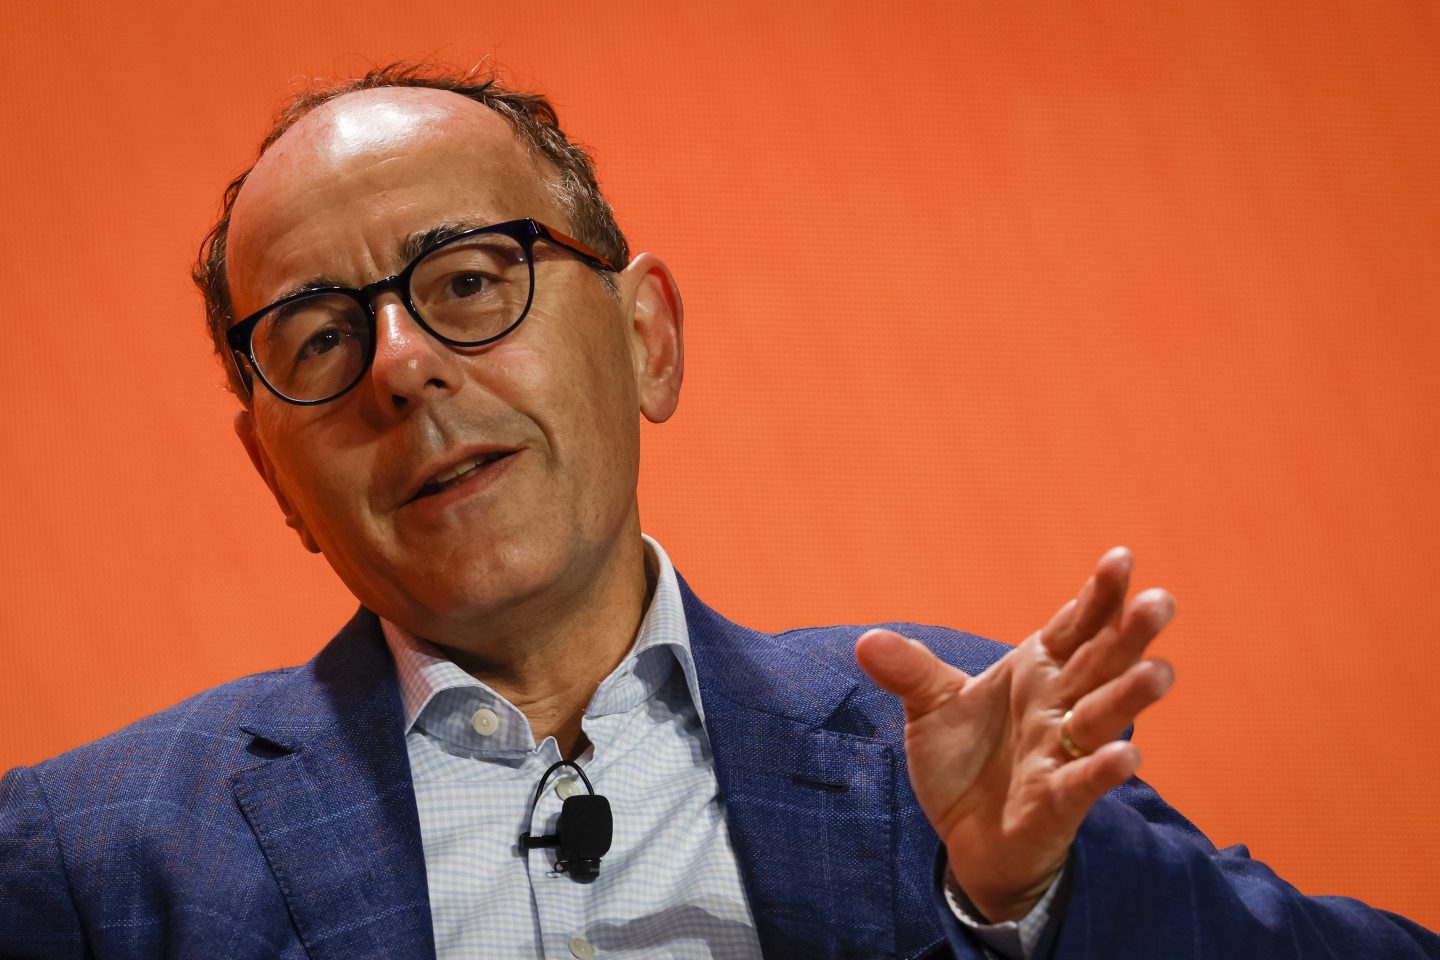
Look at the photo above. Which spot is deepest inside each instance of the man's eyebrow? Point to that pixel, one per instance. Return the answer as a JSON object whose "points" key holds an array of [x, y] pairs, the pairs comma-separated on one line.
{"points": [[320, 282], [418, 243]]}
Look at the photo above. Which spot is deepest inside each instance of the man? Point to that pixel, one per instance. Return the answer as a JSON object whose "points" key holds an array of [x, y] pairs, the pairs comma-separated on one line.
{"points": [[442, 347]]}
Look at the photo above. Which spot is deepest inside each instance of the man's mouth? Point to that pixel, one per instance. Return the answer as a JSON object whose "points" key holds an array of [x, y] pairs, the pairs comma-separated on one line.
{"points": [[459, 473]]}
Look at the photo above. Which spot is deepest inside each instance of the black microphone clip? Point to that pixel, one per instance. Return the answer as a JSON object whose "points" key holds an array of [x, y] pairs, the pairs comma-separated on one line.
{"points": [[583, 832]]}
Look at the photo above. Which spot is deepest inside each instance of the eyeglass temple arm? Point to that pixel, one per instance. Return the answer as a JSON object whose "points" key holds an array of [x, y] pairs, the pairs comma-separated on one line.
{"points": [[241, 362], [565, 240]]}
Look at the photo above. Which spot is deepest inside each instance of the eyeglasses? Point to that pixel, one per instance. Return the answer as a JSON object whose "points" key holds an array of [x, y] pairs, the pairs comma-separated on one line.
{"points": [[465, 291]]}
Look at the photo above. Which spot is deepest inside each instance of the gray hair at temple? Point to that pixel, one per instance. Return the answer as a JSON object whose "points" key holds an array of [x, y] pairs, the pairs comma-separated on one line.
{"points": [[535, 122]]}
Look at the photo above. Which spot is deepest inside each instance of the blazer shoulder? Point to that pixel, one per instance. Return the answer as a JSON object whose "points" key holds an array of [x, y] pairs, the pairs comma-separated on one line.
{"points": [[809, 674], [866, 709], [198, 733], [836, 644]]}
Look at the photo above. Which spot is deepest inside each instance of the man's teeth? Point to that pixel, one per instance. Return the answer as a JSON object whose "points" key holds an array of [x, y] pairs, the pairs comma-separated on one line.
{"points": [[460, 469]]}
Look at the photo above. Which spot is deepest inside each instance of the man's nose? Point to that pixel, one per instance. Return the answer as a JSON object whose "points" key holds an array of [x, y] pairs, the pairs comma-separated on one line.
{"points": [[409, 364]]}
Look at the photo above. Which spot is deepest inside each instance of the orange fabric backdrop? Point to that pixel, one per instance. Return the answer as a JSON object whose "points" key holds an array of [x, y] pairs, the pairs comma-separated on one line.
{"points": [[975, 291]]}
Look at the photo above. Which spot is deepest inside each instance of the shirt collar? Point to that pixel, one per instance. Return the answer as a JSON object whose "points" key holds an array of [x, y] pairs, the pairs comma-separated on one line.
{"points": [[446, 701]]}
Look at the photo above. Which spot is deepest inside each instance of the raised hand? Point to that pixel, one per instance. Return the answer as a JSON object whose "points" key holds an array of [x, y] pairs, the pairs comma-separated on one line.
{"points": [[1007, 763]]}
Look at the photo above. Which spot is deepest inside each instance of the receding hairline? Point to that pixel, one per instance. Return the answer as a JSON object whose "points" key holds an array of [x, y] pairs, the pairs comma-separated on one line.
{"points": [[448, 102], [453, 107]]}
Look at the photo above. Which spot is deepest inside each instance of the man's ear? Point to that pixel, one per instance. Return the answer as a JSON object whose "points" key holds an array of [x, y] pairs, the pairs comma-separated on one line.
{"points": [[245, 430], [657, 335]]}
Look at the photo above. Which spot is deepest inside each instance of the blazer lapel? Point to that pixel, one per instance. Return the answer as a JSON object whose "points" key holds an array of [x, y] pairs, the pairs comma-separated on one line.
{"points": [[333, 807], [809, 791]]}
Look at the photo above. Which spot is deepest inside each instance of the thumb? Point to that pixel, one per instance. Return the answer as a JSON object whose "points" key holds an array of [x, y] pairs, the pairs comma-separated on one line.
{"points": [[907, 669]]}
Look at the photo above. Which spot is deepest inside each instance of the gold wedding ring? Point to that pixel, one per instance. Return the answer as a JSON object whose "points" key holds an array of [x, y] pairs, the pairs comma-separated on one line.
{"points": [[1075, 752]]}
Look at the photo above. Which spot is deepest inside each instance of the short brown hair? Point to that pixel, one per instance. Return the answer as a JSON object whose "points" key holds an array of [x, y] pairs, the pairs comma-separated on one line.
{"points": [[534, 120]]}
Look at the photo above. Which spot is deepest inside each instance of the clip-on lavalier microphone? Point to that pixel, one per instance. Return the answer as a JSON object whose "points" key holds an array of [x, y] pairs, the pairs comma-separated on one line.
{"points": [[583, 832]]}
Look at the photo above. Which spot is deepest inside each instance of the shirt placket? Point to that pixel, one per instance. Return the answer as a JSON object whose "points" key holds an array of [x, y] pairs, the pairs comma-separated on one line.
{"points": [[560, 900]]}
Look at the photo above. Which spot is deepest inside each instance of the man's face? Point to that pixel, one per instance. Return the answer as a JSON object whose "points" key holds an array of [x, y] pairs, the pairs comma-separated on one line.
{"points": [[335, 199]]}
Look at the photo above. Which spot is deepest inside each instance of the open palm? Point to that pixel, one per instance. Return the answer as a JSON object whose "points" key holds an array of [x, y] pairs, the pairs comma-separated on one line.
{"points": [[987, 754]]}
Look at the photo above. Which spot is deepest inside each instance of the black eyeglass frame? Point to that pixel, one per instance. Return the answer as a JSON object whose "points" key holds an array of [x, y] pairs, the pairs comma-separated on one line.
{"points": [[240, 335]]}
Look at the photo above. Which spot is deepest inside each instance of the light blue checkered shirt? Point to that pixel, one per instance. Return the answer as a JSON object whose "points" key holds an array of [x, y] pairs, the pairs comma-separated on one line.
{"points": [[669, 887]]}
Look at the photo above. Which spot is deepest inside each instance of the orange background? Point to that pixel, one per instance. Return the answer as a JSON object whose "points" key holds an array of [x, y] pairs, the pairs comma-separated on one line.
{"points": [[975, 291]]}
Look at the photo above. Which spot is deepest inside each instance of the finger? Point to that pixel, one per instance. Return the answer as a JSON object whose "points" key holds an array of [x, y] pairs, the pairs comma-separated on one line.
{"points": [[1098, 603], [907, 669], [1115, 650], [1079, 783], [1060, 622], [1104, 714]]}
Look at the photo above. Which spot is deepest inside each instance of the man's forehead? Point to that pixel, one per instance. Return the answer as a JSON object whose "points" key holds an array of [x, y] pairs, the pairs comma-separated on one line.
{"points": [[385, 122]]}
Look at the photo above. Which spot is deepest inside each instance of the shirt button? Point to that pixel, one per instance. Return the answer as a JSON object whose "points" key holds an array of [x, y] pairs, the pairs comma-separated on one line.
{"points": [[485, 721], [566, 789], [582, 949]]}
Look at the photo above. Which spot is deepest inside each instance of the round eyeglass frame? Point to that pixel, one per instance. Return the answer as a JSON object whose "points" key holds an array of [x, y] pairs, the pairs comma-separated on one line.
{"points": [[240, 335]]}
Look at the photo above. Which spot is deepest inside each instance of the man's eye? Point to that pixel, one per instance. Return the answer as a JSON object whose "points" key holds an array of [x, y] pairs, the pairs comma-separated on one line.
{"points": [[323, 341], [465, 285]]}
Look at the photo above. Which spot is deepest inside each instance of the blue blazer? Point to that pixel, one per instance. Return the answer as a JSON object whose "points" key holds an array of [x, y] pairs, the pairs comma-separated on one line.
{"points": [[274, 817]]}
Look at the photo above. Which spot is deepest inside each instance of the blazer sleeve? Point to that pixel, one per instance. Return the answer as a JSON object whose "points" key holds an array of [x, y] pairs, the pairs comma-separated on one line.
{"points": [[37, 913], [1144, 883]]}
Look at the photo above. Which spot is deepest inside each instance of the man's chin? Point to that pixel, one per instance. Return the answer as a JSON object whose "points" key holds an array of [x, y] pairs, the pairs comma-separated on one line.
{"points": [[440, 604]]}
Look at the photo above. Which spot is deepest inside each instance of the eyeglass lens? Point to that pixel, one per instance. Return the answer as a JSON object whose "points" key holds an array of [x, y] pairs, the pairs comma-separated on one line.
{"points": [[470, 290]]}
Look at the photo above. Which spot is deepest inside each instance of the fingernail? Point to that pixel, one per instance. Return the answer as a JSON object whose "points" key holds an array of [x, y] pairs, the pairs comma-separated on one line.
{"points": [[1164, 606], [1120, 555]]}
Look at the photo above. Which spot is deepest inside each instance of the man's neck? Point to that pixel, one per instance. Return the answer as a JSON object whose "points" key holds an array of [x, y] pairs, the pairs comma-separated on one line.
{"points": [[548, 658]]}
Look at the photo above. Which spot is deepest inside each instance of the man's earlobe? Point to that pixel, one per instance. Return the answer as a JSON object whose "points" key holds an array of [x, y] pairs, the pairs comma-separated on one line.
{"points": [[245, 430], [657, 336]]}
